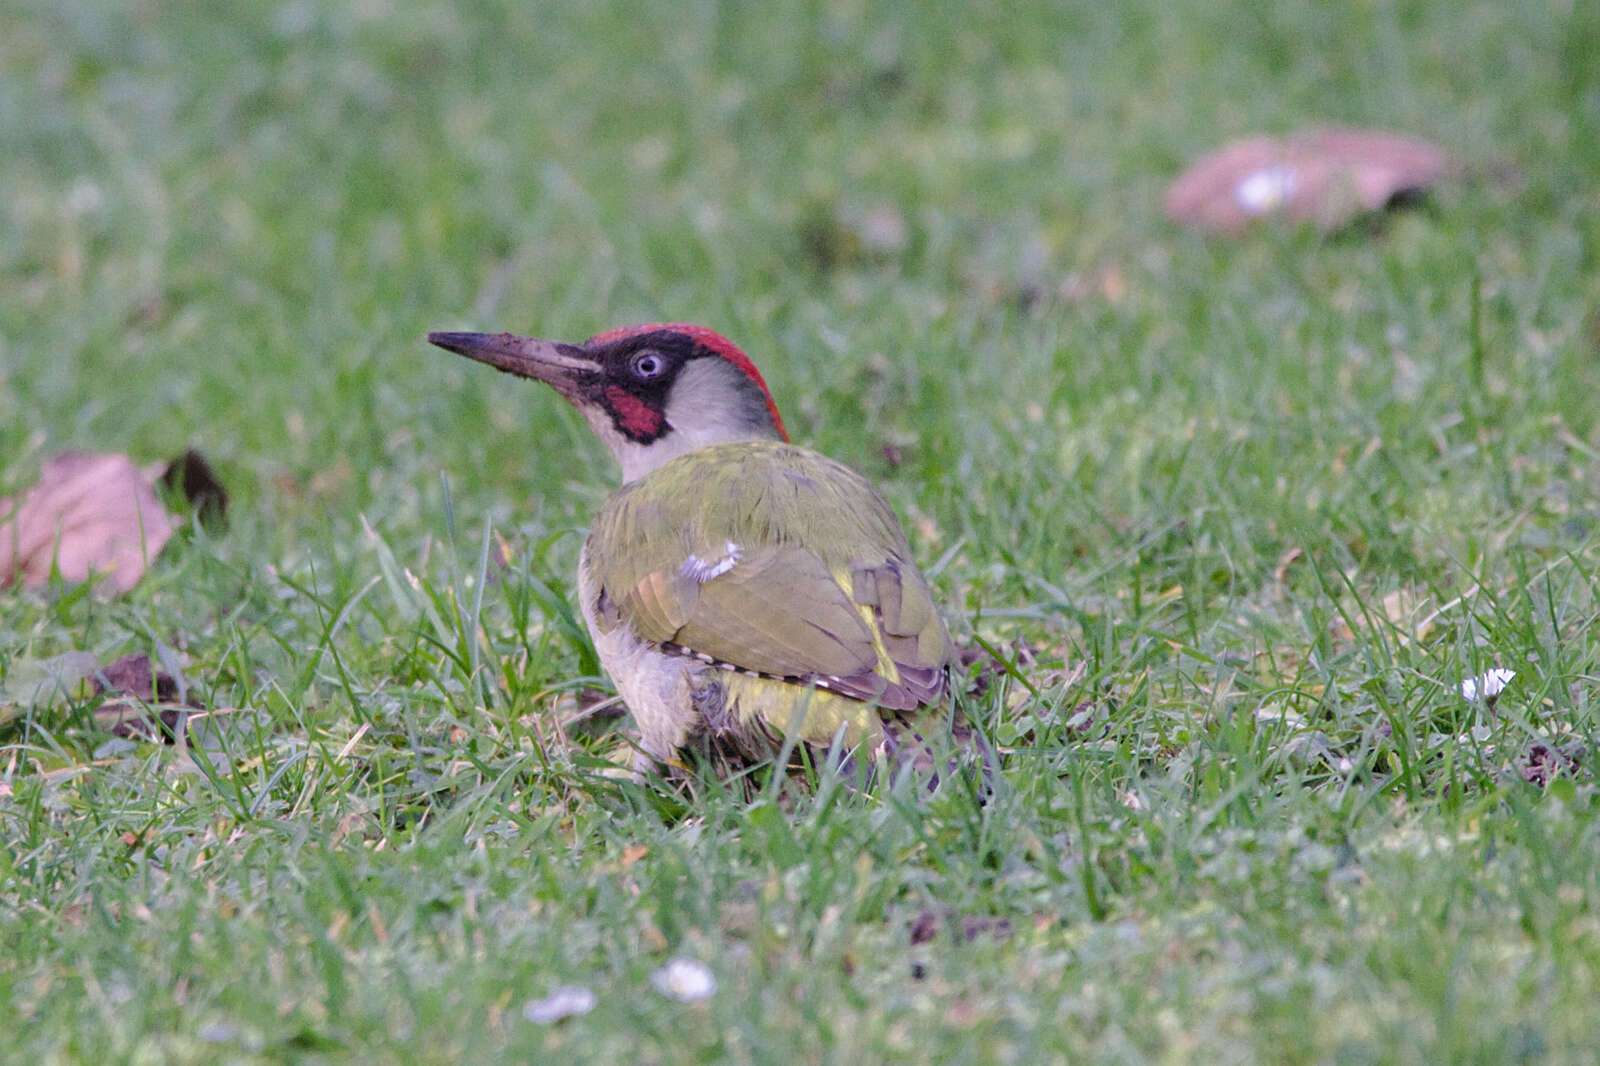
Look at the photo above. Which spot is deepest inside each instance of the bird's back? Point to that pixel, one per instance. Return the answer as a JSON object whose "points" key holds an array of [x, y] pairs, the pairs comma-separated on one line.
{"points": [[772, 560]]}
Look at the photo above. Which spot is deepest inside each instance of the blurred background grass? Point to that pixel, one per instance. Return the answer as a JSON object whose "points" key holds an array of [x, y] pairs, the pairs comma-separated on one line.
{"points": [[1230, 480]]}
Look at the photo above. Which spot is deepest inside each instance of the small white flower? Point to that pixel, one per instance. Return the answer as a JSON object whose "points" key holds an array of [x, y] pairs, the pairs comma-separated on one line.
{"points": [[1265, 190], [685, 980], [1488, 684], [564, 1001]]}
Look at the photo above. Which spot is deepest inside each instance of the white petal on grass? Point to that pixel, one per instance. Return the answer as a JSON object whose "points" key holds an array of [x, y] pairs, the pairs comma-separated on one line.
{"points": [[685, 980], [564, 1001], [1487, 685]]}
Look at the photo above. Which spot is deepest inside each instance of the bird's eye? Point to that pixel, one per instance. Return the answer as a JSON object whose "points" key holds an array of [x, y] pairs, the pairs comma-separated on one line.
{"points": [[647, 365]]}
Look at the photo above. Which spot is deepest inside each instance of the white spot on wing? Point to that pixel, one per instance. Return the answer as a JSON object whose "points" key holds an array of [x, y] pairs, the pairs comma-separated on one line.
{"points": [[701, 570]]}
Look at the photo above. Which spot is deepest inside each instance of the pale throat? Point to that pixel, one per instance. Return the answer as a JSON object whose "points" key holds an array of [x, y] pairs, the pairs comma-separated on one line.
{"points": [[710, 403]]}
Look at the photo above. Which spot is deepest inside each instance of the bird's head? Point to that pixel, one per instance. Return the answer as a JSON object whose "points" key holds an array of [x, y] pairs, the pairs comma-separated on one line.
{"points": [[651, 392]]}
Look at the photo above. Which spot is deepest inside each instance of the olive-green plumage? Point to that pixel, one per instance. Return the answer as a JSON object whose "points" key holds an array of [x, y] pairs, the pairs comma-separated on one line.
{"points": [[737, 587], [779, 561]]}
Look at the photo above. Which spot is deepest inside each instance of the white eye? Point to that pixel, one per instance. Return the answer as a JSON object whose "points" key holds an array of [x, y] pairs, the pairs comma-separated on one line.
{"points": [[647, 365]]}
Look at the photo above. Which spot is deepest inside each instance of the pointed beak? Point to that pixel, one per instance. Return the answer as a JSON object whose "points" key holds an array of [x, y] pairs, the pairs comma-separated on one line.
{"points": [[556, 364]]}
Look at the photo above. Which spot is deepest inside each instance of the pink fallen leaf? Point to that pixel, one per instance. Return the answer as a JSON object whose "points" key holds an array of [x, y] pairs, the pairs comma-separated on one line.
{"points": [[89, 514], [1327, 177]]}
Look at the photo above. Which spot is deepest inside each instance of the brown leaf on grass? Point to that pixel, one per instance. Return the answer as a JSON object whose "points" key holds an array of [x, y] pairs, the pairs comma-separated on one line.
{"points": [[152, 710], [88, 514], [929, 923], [1327, 177], [1540, 763], [983, 665], [134, 675]]}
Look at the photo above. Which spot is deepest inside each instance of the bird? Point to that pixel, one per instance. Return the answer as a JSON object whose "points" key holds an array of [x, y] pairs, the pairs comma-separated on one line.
{"points": [[740, 589]]}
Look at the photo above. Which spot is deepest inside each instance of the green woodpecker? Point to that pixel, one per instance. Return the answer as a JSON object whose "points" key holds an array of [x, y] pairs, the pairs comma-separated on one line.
{"points": [[737, 586]]}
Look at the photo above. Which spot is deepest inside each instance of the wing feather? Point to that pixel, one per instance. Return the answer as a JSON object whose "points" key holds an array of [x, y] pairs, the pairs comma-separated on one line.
{"points": [[809, 578]]}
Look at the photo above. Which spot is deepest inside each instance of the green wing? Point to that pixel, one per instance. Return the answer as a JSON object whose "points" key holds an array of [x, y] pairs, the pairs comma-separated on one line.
{"points": [[777, 560]]}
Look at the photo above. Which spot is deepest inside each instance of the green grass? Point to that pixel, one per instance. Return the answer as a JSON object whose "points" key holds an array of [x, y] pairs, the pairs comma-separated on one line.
{"points": [[1246, 512]]}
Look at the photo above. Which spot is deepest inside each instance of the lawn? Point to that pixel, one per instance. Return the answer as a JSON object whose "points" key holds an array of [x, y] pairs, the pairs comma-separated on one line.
{"points": [[1239, 515]]}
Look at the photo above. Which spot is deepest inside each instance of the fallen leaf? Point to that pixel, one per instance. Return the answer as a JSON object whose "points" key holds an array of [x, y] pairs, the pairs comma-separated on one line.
{"points": [[1328, 177], [88, 514], [966, 928], [155, 705], [927, 926], [133, 675], [1541, 763]]}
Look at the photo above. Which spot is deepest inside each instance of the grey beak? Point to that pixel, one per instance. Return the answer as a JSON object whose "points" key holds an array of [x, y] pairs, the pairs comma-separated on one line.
{"points": [[552, 362]]}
